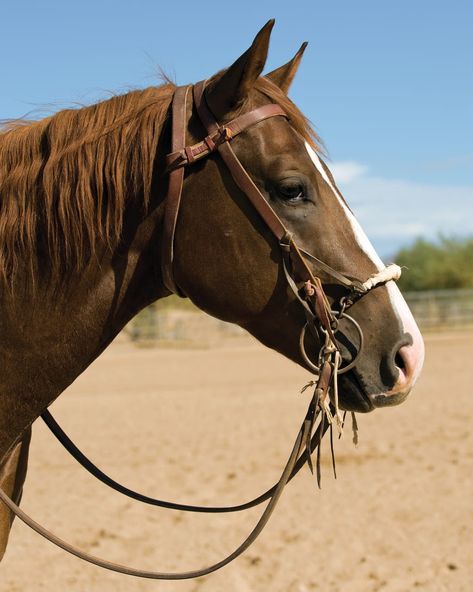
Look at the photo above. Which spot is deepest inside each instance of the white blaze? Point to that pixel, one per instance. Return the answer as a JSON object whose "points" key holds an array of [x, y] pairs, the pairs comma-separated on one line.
{"points": [[397, 299], [361, 238]]}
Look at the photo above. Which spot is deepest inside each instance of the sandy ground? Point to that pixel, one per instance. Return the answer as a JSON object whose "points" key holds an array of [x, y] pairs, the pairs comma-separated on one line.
{"points": [[216, 426]]}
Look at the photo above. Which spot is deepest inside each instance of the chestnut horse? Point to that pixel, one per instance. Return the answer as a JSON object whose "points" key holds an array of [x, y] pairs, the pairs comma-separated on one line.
{"points": [[82, 201]]}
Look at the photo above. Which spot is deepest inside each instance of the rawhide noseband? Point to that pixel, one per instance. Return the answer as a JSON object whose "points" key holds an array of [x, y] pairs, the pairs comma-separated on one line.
{"points": [[321, 318]]}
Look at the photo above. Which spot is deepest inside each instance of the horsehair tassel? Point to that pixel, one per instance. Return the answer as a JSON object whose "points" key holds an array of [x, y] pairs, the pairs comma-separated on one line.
{"points": [[308, 385], [354, 426], [343, 424], [337, 415], [332, 451], [307, 446], [311, 419], [391, 272], [328, 412], [317, 463]]}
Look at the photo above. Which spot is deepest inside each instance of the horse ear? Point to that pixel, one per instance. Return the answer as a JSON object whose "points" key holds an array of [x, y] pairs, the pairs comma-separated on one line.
{"points": [[229, 90], [284, 75]]}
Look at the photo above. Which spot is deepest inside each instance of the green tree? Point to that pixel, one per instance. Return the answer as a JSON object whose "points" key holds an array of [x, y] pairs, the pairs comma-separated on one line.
{"points": [[441, 265]]}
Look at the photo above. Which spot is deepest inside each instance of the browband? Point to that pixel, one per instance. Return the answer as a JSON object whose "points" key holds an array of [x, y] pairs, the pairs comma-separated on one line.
{"points": [[222, 134]]}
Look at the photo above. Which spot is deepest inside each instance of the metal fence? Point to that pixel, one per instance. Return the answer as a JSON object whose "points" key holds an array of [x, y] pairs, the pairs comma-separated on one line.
{"points": [[168, 326], [435, 310], [442, 309]]}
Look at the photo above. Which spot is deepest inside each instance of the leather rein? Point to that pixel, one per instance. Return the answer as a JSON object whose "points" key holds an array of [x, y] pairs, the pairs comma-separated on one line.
{"points": [[321, 318]]}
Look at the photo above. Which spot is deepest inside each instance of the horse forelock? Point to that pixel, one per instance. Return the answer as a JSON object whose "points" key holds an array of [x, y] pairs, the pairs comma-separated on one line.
{"points": [[66, 180]]}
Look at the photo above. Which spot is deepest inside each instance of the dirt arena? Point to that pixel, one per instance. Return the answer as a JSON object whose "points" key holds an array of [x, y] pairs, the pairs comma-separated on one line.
{"points": [[216, 426]]}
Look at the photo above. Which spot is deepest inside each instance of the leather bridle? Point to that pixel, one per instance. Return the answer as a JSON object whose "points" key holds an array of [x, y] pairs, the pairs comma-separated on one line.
{"points": [[218, 140], [321, 318]]}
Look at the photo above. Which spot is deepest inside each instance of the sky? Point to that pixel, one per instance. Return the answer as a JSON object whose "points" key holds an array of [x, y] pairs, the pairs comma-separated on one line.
{"points": [[388, 85]]}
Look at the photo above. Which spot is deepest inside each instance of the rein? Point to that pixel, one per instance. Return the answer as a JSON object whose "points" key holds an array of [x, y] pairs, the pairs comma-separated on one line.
{"points": [[322, 320], [296, 459]]}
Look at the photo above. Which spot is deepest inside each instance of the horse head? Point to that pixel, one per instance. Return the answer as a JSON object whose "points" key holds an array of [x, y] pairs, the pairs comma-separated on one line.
{"points": [[228, 262]]}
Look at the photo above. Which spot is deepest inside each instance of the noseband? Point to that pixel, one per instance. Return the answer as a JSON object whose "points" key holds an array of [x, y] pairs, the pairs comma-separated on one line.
{"points": [[322, 319]]}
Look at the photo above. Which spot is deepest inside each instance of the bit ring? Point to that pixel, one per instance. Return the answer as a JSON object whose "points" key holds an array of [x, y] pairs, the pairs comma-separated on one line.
{"points": [[342, 369]]}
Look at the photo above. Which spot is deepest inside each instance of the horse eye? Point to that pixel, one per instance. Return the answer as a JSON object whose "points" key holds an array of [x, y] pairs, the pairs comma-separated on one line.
{"points": [[292, 192]]}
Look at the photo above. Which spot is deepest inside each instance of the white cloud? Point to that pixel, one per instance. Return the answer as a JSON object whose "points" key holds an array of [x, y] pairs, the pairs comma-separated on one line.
{"points": [[347, 171], [394, 212]]}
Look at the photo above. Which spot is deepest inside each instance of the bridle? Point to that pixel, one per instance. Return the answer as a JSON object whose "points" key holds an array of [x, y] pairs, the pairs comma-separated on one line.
{"points": [[322, 319], [320, 315]]}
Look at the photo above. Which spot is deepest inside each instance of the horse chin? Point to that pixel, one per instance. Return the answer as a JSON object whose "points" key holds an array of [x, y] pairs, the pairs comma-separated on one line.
{"points": [[351, 394]]}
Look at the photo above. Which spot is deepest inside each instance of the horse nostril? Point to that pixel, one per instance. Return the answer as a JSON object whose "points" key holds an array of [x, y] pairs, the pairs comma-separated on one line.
{"points": [[406, 361], [399, 370], [395, 366], [399, 361]]}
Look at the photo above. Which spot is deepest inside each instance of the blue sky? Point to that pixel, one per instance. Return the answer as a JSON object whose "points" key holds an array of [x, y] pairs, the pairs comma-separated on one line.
{"points": [[388, 85]]}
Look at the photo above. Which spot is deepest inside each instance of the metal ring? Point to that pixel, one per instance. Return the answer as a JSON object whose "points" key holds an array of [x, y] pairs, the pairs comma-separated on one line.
{"points": [[342, 369], [307, 360], [349, 366]]}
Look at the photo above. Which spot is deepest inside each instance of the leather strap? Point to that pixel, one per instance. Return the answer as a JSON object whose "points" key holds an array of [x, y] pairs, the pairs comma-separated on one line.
{"points": [[89, 466], [240, 176], [210, 143], [271, 219], [176, 179], [302, 436]]}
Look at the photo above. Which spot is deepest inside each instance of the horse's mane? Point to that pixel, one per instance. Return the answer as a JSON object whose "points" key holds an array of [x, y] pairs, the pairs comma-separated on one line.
{"points": [[66, 180]]}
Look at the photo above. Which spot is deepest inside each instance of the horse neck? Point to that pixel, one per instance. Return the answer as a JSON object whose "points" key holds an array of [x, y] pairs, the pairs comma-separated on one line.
{"points": [[52, 330], [50, 334]]}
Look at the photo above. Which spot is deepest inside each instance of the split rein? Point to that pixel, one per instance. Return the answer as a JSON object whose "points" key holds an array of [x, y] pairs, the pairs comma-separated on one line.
{"points": [[322, 320]]}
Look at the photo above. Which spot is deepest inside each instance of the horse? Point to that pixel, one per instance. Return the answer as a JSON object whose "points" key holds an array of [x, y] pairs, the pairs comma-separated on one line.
{"points": [[83, 221]]}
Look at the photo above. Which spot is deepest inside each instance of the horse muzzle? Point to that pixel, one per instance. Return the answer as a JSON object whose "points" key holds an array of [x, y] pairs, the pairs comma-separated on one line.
{"points": [[407, 362]]}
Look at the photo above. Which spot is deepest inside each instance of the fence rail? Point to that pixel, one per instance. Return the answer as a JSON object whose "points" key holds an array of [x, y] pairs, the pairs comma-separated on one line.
{"points": [[442, 309], [174, 325], [433, 310]]}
